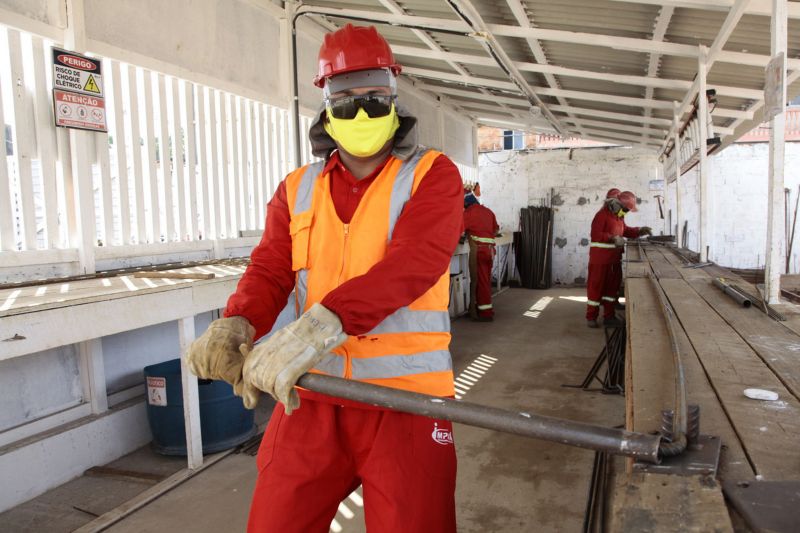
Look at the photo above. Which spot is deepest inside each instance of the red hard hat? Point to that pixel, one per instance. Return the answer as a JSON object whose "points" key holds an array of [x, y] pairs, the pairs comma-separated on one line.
{"points": [[612, 193], [628, 200], [354, 48]]}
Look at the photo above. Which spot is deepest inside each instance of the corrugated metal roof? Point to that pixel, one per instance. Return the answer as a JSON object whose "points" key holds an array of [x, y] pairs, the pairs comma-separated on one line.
{"points": [[576, 71]]}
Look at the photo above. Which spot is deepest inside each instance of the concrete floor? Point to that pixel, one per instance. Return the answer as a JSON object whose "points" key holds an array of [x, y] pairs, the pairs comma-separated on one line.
{"points": [[505, 483]]}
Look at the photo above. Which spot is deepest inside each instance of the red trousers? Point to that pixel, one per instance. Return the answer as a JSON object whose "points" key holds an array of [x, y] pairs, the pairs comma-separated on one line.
{"points": [[481, 259], [312, 460], [602, 287]]}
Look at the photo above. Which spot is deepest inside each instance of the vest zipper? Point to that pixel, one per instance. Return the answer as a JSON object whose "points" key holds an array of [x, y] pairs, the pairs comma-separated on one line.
{"points": [[344, 253], [348, 368]]}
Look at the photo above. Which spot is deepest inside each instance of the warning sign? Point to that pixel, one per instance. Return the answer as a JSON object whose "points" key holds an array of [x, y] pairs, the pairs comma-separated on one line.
{"points": [[73, 110], [77, 73], [78, 91], [91, 86], [157, 391]]}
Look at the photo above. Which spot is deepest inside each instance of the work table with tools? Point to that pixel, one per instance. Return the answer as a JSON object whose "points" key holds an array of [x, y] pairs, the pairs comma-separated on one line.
{"points": [[724, 348]]}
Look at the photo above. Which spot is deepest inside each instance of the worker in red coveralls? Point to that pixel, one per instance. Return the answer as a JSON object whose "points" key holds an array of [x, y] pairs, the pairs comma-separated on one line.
{"points": [[480, 226], [364, 238], [605, 256]]}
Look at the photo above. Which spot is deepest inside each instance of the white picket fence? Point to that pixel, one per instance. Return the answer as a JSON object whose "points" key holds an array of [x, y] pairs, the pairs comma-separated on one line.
{"points": [[181, 161]]}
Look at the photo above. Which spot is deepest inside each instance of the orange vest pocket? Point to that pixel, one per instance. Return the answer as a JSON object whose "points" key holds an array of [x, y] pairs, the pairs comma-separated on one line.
{"points": [[300, 230]]}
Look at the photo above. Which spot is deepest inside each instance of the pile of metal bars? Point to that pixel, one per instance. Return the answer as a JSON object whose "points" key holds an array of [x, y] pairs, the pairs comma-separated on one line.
{"points": [[533, 246]]}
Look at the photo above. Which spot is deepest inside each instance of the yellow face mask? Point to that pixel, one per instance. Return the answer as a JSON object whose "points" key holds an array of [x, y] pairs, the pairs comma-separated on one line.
{"points": [[621, 213], [362, 136]]}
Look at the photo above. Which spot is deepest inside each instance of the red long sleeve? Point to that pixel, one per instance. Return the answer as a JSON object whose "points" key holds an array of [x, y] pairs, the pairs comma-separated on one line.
{"points": [[630, 232], [424, 239], [266, 284], [601, 230]]}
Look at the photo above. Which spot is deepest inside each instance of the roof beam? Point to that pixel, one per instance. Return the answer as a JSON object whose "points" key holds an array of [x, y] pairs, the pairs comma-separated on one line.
{"points": [[622, 127], [433, 46], [467, 12], [660, 29], [756, 7], [618, 137], [578, 95], [614, 116], [734, 15], [644, 81], [536, 48], [590, 39]]}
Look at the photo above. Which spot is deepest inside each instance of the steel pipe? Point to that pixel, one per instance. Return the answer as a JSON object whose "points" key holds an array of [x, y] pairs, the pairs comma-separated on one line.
{"points": [[738, 297], [615, 441]]}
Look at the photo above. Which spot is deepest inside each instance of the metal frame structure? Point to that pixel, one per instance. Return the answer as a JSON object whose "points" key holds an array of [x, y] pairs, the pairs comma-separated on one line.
{"points": [[632, 72]]}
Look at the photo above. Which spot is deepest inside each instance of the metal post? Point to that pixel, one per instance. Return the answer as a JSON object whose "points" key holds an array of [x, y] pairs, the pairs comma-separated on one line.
{"points": [[289, 29], [677, 153], [191, 397], [78, 177], [702, 117], [775, 249]]}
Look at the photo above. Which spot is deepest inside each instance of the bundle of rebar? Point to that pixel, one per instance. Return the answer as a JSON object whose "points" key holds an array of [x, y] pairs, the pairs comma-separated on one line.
{"points": [[533, 247]]}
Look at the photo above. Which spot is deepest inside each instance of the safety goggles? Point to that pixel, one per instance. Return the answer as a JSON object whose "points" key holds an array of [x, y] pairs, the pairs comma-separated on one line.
{"points": [[346, 107]]}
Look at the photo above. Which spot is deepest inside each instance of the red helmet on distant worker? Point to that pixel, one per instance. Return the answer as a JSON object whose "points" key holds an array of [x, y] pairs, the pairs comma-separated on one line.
{"points": [[628, 200], [354, 48], [612, 193]]}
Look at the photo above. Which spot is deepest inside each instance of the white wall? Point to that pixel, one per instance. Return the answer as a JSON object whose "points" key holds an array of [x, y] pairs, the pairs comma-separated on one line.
{"points": [[225, 39], [578, 180], [738, 214]]}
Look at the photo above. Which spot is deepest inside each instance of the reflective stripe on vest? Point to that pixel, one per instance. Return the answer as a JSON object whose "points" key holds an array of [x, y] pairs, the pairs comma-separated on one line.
{"points": [[404, 319], [602, 245], [482, 240], [306, 188], [395, 366], [401, 189]]}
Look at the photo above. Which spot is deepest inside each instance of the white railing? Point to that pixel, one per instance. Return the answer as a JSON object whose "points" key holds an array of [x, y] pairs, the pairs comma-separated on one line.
{"points": [[181, 161]]}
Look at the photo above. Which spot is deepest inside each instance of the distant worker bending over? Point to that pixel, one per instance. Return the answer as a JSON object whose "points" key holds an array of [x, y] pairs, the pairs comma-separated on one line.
{"points": [[480, 226], [364, 238], [605, 256]]}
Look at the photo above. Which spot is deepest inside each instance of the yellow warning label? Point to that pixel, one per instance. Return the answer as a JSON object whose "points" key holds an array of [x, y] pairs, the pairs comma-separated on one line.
{"points": [[91, 85]]}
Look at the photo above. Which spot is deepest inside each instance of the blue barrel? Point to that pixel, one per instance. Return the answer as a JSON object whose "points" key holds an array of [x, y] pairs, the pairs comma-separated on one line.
{"points": [[224, 420]]}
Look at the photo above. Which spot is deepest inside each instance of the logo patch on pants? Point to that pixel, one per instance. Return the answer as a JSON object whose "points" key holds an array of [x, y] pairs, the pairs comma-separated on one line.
{"points": [[441, 436]]}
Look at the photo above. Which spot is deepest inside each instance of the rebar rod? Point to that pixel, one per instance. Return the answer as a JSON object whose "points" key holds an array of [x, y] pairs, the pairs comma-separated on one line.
{"points": [[616, 441], [678, 441]]}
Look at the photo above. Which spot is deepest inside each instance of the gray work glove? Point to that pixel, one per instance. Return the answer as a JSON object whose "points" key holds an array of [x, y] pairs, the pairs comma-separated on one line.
{"points": [[618, 240], [645, 230], [216, 354], [275, 365]]}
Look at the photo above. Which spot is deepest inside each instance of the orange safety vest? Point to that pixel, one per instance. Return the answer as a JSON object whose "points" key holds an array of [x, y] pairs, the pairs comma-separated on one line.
{"points": [[409, 349]]}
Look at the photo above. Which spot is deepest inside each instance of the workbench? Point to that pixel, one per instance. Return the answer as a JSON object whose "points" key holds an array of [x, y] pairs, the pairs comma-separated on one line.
{"points": [[725, 348]]}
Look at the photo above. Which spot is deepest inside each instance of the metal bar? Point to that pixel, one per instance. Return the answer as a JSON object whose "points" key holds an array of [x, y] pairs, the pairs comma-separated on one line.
{"points": [[733, 293], [615, 441], [678, 441]]}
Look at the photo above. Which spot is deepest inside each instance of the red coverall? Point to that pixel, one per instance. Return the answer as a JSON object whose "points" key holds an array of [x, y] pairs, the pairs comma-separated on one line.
{"points": [[310, 461], [605, 262], [481, 227]]}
